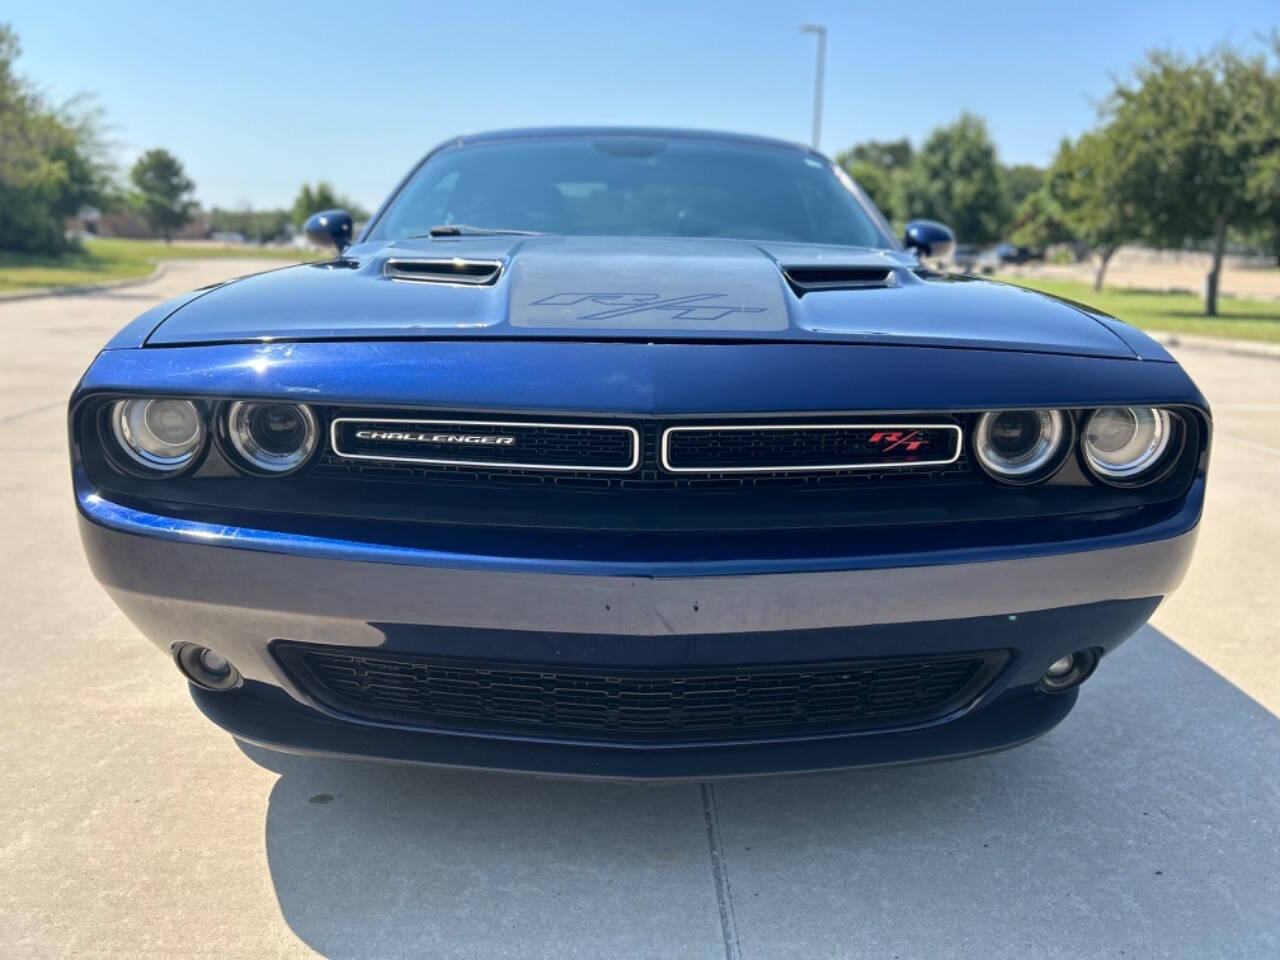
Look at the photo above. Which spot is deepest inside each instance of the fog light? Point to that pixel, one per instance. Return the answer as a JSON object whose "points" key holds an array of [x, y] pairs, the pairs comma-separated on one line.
{"points": [[1060, 668], [205, 668], [216, 663], [1069, 671]]}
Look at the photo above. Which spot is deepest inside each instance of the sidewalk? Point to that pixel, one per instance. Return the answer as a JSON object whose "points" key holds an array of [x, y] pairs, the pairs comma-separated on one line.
{"points": [[1192, 341]]}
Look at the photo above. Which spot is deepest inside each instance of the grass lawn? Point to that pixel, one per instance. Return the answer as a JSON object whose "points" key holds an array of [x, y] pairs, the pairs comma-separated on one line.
{"points": [[113, 258], [1174, 312]]}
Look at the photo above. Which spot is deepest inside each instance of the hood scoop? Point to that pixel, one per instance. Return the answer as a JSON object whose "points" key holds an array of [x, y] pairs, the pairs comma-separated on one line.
{"points": [[808, 279], [474, 273]]}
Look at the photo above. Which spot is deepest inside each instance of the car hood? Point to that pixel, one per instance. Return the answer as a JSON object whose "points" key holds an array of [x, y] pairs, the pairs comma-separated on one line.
{"points": [[617, 288]]}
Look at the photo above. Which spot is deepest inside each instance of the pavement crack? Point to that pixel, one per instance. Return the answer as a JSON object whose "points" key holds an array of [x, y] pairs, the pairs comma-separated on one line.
{"points": [[720, 873], [9, 418]]}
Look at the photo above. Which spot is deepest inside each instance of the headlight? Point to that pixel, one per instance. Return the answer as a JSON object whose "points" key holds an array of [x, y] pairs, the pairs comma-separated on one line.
{"points": [[1120, 443], [1019, 446], [272, 437], [162, 435]]}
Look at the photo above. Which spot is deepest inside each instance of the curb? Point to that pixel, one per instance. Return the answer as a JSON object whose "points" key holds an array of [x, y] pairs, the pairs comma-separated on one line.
{"points": [[1193, 341], [74, 289]]}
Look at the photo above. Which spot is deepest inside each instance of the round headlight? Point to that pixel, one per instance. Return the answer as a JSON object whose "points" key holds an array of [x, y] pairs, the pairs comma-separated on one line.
{"points": [[1019, 445], [1121, 443], [272, 437], [162, 435]]}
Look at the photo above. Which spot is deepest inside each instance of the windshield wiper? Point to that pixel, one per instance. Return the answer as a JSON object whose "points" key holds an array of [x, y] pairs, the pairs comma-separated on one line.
{"points": [[465, 230]]}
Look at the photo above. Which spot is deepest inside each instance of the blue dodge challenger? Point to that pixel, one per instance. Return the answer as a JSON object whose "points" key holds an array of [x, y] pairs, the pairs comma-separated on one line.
{"points": [[634, 453]]}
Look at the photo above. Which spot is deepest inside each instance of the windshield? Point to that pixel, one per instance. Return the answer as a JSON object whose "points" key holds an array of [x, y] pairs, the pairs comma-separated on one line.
{"points": [[634, 186]]}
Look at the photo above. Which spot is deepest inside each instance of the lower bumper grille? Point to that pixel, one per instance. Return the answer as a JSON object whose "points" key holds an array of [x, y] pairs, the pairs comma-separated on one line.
{"points": [[635, 704]]}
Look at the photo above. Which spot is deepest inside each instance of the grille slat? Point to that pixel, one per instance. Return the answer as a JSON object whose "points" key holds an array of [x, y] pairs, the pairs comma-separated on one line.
{"points": [[635, 704]]}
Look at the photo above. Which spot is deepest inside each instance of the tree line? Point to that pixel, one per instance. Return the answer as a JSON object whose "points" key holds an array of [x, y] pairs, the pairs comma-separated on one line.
{"points": [[264, 226], [54, 162], [955, 177], [51, 160], [1186, 153]]}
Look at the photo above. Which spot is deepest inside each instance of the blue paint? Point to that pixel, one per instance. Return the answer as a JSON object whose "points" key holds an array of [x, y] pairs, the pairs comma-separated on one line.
{"points": [[640, 378], [122, 519]]}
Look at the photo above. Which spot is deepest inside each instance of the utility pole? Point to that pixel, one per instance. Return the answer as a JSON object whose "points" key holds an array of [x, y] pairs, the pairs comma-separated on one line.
{"points": [[821, 33]]}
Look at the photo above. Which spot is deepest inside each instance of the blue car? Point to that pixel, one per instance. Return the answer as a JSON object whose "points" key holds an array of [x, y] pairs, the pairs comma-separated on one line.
{"points": [[634, 453]]}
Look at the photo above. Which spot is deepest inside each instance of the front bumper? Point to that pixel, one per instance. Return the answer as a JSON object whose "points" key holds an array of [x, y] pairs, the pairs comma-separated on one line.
{"points": [[238, 590]]}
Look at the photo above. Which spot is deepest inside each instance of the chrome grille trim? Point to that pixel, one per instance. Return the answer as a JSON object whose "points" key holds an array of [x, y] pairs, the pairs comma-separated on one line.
{"points": [[632, 432], [665, 460]]}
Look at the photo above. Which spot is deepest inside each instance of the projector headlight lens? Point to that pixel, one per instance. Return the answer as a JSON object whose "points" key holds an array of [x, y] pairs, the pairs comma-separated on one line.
{"points": [[1122, 443], [274, 438], [162, 435], [1019, 445]]}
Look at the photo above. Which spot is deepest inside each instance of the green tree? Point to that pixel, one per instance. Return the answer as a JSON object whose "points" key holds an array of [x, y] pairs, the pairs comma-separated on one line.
{"points": [[163, 191], [1039, 222], [877, 165], [878, 184], [257, 226], [955, 178], [323, 197], [1195, 141], [1086, 186], [886, 154], [51, 160], [1263, 185], [1021, 180]]}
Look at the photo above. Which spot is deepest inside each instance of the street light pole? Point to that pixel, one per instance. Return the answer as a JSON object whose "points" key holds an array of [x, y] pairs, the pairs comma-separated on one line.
{"points": [[817, 82]]}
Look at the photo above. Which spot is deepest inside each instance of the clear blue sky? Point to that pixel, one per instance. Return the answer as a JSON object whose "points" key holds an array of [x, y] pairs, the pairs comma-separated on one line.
{"points": [[257, 97]]}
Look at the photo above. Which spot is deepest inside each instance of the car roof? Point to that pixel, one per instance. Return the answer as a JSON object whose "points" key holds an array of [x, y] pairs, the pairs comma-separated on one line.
{"points": [[544, 133]]}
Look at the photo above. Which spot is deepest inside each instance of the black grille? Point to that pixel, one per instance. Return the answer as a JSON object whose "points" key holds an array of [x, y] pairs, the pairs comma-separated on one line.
{"points": [[820, 447], [648, 476], [523, 445], [634, 704]]}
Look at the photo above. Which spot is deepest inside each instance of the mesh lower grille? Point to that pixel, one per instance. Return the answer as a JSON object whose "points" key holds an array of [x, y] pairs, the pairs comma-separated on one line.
{"points": [[630, 704]]}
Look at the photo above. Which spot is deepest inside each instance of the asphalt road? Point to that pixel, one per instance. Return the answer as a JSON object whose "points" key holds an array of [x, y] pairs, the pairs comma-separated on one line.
{"points": [[1147, 825]]}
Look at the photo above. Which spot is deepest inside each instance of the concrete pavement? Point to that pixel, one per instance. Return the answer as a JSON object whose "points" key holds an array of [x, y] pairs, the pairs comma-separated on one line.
{"points": [[1147, 825]]}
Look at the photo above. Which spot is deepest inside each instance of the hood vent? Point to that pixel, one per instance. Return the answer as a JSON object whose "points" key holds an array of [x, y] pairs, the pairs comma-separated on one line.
{"points": [[807, 279], [475, 273]]}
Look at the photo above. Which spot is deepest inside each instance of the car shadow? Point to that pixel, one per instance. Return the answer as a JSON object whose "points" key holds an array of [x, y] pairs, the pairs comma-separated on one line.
{"points": [[1147, 824]]}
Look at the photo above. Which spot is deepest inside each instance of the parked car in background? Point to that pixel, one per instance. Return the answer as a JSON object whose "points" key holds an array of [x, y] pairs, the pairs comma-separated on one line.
{"points": [[965, 257], [1010, 253], [634, 453]]}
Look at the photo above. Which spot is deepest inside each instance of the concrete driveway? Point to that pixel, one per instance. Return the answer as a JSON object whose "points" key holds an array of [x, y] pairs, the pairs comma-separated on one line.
{"points": [[1147, 825]]}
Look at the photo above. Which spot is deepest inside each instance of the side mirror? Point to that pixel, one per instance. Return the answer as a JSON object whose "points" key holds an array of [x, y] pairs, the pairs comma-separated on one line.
{"points": [[929, 239], [330, 226]]}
